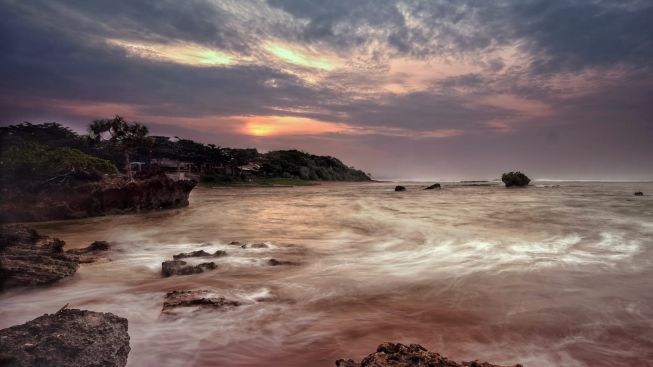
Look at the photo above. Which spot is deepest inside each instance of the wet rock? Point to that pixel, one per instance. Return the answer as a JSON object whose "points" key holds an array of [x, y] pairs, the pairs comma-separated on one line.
{"points": [[180, 267], [275, 262], [259, 245], [413, 355], [197, 298], [639, 193], [109, 195], [70, 338], [27, 258], [90, 253], [433, 187], [515, 179], [199, 253], [400, 188], [236, 243]]}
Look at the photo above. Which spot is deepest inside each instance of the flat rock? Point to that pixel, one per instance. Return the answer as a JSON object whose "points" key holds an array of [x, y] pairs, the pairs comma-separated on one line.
{"points": [[435, 186], [639, 193], [196, 298], [90, 253], [180, 267], [400, 188], [199, 253], [275, 262], [259, 245], [27, 258], [413, 355], [68, 338]]}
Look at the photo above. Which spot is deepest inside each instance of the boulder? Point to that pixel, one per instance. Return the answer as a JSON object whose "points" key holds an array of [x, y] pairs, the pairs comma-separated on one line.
{"points": [[90, 253], [180, 267], [275, 262], [196, 298], [400, 188], [236, 243], [433, 187], [109, 195], [68, 338], [639, 193], [413, 355], [199, 253], [515, 179], [259, 245], [27, 258]]}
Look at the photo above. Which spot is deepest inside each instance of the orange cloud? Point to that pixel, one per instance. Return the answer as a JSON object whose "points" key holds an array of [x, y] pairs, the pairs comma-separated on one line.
{"points": [[289, 125]]}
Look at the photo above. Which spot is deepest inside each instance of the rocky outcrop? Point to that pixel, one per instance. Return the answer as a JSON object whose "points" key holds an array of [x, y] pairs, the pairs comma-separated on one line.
{"points": [[413, 355], [90, 253], [515, 179], [110, 195], [27, 258], [275, 262], [196, 298], [68, 338], [433, 187], [400, 188], [639, 193], [180, 267], [199, 253]]}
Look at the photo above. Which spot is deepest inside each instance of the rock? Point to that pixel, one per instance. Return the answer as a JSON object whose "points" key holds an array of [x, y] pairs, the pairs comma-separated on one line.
{"points": [[180, 267], [90, 253], [68, 338], [259, 245], [199, 253], [275, 262], [515, 179], [639, 193], [235, 243], [434, 186], [197, 298], [27, 258], [413, 355], [400, 188], [109, 195]]}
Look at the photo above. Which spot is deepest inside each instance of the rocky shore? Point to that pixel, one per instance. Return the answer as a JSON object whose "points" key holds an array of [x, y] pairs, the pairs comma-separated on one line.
{"points": [[413, 355], [110, 195]]}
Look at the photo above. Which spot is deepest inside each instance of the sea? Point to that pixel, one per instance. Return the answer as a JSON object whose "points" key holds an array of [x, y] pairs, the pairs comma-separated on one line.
{"points": [[555, 274]]}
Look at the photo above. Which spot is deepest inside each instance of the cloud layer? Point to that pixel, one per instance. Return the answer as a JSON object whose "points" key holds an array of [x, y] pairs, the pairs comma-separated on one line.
{"points": [[416, 89]]}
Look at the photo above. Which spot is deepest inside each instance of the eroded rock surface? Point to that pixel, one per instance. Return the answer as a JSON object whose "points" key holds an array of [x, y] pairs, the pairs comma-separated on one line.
{"points": [[197, 298], [180, 267], [90, 253], [27, 258], [413, 355], [68, 338]]}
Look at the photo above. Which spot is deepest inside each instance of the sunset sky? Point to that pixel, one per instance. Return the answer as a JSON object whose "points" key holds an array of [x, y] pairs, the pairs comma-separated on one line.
{"points": [[402, 89]]}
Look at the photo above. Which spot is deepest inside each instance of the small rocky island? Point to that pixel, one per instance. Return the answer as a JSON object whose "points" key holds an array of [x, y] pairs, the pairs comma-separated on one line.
{"points": [[515, 179]]}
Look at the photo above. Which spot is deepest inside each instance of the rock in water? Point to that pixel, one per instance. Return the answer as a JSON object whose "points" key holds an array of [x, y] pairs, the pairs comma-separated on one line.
{"points": [[400, 188], [414, 355], [180, 267], [433, 187], [639, 193], [68, 338], [515, 179], [90, 253], [275, 262], [197, 298], [27, 258]]}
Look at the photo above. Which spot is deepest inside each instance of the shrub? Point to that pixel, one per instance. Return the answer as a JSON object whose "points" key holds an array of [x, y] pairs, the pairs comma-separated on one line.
{"points": [[518, 179]]}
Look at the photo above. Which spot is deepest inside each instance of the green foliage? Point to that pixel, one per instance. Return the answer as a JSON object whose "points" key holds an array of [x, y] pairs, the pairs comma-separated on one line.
{"points": [[296, 164], [518, 179], [31, 161]]}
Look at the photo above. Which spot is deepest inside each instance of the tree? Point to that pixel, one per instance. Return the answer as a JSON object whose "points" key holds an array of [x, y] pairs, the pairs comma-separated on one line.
{"points": [[124, 136]]}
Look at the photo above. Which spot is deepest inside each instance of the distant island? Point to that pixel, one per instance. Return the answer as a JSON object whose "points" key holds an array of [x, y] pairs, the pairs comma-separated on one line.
{"points": [[48, 171]]}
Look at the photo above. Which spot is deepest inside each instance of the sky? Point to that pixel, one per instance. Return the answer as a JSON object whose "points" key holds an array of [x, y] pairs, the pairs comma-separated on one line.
{"points": [[420, 90]]}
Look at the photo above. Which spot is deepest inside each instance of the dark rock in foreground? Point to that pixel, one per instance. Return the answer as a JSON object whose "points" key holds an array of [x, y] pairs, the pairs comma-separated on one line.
{"points": [[639, 193], [259, 245], [90, 253], [180, 267], [199, 253], [515, 179], [400, 188], [433, 187], [275, 262], [68, 338], [27, 258], [197, 298], [111, 195], [414, 355]]}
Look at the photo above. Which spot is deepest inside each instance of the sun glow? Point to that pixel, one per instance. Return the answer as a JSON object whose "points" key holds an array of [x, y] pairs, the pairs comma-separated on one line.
{"points": [[289, 125], [304, 58]]}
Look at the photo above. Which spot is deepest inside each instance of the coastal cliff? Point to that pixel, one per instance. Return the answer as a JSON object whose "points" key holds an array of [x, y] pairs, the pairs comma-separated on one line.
{"points": [[109, 195]]}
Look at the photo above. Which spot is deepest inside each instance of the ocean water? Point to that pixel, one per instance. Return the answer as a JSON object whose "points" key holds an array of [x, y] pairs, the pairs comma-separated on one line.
{"points": [[558, 274]]}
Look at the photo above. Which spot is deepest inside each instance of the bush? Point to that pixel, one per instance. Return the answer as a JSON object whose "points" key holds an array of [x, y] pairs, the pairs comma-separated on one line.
{"points": [[515, 179]]}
